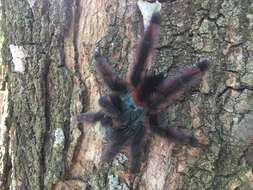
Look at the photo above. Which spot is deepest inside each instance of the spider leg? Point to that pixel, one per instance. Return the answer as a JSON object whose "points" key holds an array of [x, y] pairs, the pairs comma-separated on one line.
{"points": [[137, 146], [149, 85], [145, 49], [171, 88], [90, 117], [111, 105], [116, 84], [120, 135], [106, 121], [173, 133], [113, 149], [177, 135]]}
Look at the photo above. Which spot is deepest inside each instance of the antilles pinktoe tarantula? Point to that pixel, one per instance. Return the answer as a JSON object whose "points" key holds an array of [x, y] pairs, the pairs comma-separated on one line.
{"points": [[133, 106]]}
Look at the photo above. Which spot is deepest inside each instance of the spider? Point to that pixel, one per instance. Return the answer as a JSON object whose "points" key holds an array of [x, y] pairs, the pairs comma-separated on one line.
{"points": [[133, 107]]}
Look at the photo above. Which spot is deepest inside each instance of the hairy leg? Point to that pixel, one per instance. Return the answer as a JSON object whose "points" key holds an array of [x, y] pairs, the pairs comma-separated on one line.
{"points": [[173, 133], [90, 117], [119, 137], [116, 84], [171, 88], [111, 105], [137, 147], [137, 74], [106, 121]]}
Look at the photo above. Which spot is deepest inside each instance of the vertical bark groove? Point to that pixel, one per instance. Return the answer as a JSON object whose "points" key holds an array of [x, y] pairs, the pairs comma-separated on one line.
{"points": [[46, 137]]}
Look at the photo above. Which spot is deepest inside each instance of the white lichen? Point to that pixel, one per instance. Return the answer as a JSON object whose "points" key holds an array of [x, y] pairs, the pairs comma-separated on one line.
{"points": [[115, 184], [59, 137], [18, 57], [31, 3], [3, 127], [147, 9], [3, 111], [120, 159]]}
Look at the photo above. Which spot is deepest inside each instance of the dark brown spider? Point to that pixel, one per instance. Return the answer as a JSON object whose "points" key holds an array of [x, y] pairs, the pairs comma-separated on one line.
{"points": [[132, 108]]}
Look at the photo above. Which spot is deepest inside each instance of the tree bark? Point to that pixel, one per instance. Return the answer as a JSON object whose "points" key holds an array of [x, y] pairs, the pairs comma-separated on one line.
{"points": [[48, 51]]}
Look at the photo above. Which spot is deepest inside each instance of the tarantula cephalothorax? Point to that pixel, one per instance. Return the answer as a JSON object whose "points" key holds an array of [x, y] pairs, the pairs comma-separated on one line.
{"points": [[133, 106]]}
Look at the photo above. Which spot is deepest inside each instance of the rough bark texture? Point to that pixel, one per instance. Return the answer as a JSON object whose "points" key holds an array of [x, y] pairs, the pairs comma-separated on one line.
{"points": [[43, 148]]}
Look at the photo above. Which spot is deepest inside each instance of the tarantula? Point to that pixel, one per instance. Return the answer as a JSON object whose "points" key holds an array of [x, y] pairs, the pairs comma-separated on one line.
{"points": [[133, 106]]}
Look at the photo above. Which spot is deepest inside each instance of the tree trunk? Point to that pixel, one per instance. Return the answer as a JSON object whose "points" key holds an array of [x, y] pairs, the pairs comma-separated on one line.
{"points": [[48, 51]]}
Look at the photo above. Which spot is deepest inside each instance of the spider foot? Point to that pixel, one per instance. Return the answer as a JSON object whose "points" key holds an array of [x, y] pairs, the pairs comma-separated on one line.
{"points": [[90, 117]]}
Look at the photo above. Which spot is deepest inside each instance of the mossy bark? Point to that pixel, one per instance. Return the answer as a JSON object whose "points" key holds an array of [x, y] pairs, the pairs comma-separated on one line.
{"points": [[44, 148]]}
